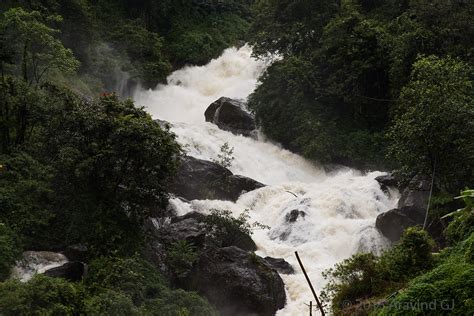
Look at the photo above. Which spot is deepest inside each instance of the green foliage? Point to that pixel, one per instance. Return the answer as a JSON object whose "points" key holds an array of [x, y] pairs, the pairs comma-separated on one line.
{"points": [[178, 303], [113, 286], [432, 122], [365, 275], [225, 157], [41, 296], [116, 281], [132, 276], [337, 88], [181, 256], [119, 44], [145, 51], [26, 198], [462, 226], [38, 49], [19, 106], [110, 302], [10, 251], [410, 256], [103, 163], [226, 230], [450, 286], [196, 38]]}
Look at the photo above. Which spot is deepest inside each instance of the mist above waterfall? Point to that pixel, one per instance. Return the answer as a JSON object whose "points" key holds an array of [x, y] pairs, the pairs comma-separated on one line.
{"points": [[337, 209]]}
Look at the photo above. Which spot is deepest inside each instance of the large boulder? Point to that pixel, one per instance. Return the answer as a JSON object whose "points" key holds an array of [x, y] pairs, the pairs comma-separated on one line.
{"points": [[281, 265], [410, 212], [230, 115], [415, 197], [199, 179], [393, 223], [196, 230], [237, 282], [72, 271]]}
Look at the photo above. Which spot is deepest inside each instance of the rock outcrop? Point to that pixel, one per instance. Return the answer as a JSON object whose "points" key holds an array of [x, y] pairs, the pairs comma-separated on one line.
{"points": [[72, 271], [237, 282], [387, 181], [199, 179], [410, 212], [227, 272], [230, 115], [281, 265]]}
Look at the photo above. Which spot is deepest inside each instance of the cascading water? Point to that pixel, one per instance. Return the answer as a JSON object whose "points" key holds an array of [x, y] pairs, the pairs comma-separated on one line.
{"points": [[339, 207]]}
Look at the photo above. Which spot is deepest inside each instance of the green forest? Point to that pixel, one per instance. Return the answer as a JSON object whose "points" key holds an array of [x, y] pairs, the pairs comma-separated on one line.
{"points": [[373, 85]]}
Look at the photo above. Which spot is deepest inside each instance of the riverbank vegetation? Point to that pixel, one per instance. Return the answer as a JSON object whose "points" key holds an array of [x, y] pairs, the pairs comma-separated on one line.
{"points": [[372, 84], [380, 85], [409, 278], [118, 45], [79, 165]]}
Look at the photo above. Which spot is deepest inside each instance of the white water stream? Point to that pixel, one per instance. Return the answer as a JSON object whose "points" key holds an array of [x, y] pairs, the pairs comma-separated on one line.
{"points": [[340, 207]]}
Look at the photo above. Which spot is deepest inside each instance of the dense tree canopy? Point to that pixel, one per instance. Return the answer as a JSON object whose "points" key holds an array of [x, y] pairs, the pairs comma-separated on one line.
{"points": [[343, 73], [33, 44], [433, 124]]}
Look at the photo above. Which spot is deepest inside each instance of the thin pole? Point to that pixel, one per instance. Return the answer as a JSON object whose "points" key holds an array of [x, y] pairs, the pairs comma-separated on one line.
{"points": [[310, 308], [429, 198], [309, 283]]}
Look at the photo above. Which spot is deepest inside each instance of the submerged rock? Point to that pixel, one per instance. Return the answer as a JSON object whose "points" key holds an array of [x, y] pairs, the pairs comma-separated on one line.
{"points": [[410, 212], [199, 179], [230, 115], [281, 265], [237, 282], [293, 215]]}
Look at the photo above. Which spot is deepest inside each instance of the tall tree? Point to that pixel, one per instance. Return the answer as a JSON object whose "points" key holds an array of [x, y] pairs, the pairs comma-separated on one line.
{"points": [[38, 49], [433, 125]]}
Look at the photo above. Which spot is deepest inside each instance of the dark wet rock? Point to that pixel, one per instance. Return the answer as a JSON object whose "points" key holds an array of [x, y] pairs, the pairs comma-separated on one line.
{"points": [[281, 265], [72, 271], [77, 252], [410, 212], [293, 215], [202, 179], [237, 282], [230, 115], [392, 224], [387, 181], [414, 198]]}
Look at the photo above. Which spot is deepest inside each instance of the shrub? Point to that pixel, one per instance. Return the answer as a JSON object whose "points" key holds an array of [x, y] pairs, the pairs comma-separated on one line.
{"points": [[449, 286], [41, 296], [352, 279], [365, 275], [463, 224], [226, 230], [132, 276], [10, 250], [113, 280], [178, 303], [110, 302], [410, 256], [181, 256]]}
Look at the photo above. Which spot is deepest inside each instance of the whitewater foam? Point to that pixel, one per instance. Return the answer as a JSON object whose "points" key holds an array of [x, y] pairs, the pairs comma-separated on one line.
{"points": [[339, 207]]}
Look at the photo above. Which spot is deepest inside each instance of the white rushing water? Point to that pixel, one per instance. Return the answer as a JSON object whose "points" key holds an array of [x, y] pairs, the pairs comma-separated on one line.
{"points": [[340, 207]]}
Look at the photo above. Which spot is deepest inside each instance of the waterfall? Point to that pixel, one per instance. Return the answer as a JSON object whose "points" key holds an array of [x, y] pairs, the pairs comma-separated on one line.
{"points": [[340, 207]]}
